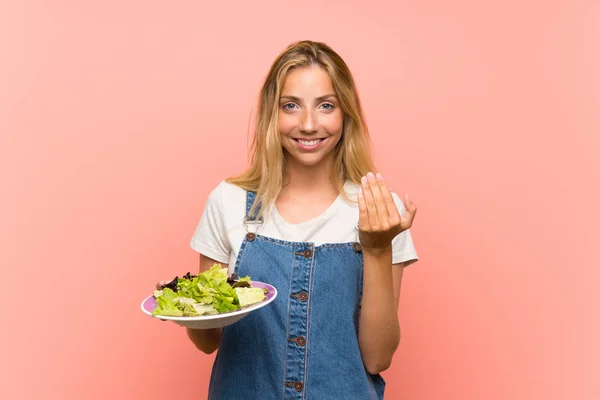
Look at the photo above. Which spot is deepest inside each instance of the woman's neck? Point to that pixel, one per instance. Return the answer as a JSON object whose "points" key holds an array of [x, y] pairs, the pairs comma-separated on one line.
{"points": [[309, 179]]}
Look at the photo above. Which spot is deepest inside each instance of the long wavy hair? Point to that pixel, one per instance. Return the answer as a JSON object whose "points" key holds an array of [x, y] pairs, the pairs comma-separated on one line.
{"points": [[352, 155]]}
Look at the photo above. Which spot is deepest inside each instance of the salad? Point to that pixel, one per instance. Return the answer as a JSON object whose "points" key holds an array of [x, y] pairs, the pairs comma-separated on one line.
{"points": [[209, 293]]}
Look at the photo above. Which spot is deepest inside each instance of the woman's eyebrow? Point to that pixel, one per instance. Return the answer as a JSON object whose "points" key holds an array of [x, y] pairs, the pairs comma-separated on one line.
{"points": [[297, 99]]}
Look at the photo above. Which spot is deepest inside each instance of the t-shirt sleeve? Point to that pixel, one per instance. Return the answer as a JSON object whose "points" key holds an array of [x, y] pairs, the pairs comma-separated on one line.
{"points": [[209, 237], [403, 248]]}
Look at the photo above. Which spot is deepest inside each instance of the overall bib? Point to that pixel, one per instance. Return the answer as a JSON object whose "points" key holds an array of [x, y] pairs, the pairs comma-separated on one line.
{"points": [[304, 345]]}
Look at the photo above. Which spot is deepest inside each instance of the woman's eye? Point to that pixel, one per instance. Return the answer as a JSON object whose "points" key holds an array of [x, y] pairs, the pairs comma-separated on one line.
{"points": [[327, 106], [288, 106]]}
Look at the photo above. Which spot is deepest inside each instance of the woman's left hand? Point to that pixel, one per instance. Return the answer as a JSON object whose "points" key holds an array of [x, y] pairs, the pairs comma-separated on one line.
{"points": [[379, 220]]}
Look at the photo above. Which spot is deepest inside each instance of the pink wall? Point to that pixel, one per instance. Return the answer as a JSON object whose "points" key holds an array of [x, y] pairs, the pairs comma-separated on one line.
{"points": [[486, 113]]}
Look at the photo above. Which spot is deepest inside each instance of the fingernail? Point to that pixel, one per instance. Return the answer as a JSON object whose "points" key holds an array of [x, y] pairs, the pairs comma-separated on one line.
{"points": [[379, 177], [370, 175], [363, 179]]}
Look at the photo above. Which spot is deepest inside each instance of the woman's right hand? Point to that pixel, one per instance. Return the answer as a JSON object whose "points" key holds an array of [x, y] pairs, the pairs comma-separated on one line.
{"points": [[160, 284]]}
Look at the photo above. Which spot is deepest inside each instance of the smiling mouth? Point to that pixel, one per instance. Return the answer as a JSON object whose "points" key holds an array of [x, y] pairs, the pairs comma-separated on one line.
{"points": [[309, 143]]}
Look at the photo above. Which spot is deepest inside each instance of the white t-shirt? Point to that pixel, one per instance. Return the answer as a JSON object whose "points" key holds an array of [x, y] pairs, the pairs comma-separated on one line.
{"points": [[221, 230]]}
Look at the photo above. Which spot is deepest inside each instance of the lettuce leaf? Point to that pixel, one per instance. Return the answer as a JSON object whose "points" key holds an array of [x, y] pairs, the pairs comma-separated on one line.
{"points": [[166, 304], [210, 292], [249, 295]]}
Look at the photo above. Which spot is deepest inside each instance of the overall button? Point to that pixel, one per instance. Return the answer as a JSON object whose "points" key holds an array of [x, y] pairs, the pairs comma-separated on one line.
{"points": [[300, 340], [250, 236], [356, 246], [308, 253], [298, 386], [302, 296]]}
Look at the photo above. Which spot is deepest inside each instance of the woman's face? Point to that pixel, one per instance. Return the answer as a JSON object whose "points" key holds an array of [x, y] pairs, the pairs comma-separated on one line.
{"points": [[310, 117]]}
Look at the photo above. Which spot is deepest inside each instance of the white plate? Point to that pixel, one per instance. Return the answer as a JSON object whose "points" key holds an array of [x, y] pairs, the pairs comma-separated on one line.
{"points": [[212, 321]]}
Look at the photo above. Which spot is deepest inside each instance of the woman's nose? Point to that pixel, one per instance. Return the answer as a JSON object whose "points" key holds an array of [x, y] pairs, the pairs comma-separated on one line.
{"points": [[308, 122]]}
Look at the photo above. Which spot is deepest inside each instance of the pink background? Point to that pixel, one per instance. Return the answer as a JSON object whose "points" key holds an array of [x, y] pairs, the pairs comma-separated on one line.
{"points": [[118, 117]]}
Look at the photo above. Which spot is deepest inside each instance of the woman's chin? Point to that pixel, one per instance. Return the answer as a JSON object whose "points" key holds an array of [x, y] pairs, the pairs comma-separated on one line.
{"points": [[308, 160]]}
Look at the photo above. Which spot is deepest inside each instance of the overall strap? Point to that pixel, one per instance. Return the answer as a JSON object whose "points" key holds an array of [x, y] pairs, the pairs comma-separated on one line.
{"points": [[250, 199]]}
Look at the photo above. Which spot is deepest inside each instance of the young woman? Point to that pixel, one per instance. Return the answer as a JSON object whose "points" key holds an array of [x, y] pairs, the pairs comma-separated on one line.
{"points": [[311, 218]]}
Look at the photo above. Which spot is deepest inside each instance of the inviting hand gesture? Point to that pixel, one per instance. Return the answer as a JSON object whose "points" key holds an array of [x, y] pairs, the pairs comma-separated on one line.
{"points": [[379, 220]]}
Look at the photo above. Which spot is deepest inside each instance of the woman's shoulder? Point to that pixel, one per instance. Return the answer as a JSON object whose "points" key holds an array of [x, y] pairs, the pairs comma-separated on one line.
{"points": [[230, 188], [226, 194], [227, 199]]}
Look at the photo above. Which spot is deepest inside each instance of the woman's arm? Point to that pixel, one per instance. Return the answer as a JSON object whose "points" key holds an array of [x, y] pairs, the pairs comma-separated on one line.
{"points": [[206, 340], [379, 222], [379, 328]]}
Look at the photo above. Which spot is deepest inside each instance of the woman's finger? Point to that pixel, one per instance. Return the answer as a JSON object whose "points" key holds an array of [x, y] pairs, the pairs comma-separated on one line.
{"points": [[409, 213], [390, 204], [369, 202], [363, 216], [380, 207]]}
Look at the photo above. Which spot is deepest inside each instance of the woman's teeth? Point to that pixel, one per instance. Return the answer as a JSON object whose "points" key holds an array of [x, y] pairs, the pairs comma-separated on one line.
{"points": [[309, 142]]}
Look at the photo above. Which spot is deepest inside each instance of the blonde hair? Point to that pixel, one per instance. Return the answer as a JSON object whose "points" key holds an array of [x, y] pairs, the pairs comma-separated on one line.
{"points": [[352, 154]]}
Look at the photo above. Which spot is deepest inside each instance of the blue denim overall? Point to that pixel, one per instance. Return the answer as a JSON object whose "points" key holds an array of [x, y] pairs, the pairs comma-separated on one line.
{"points": [[304, 345]]}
